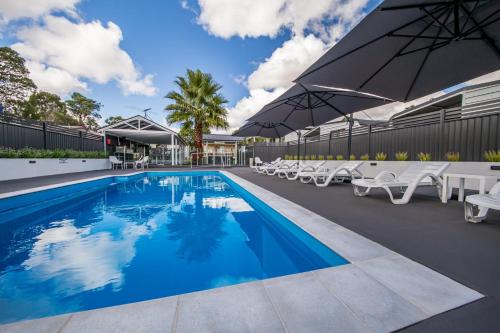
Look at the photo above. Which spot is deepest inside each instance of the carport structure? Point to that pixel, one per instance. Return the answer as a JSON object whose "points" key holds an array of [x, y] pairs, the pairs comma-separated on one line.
{"points": [[142, 136]]}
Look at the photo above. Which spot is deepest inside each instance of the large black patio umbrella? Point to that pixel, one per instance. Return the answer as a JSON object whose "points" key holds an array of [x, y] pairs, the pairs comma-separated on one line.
{"points": [[305, 105], [267, 129], [406, 49]]}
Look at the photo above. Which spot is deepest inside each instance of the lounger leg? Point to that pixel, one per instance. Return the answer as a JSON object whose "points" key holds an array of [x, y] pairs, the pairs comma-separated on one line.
{"points": [[469, 213], [305, 180], [359, 192]]}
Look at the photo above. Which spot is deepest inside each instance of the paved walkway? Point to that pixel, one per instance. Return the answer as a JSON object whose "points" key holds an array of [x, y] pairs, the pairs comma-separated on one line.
{"points": [[427, 231]]}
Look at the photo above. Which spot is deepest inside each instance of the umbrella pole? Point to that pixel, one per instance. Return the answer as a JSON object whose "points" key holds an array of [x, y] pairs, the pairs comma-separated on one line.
{"points": [[349, 138], [298, 145]]}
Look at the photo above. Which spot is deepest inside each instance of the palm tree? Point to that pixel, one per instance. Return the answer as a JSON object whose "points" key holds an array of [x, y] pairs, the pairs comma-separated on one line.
{"points": [[198, 104]]}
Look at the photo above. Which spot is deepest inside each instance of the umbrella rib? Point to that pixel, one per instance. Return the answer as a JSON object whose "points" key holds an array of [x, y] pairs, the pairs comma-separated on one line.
{"points": [[364, 45], [395, 55], [292, 110], [443, 25], [486, 37], [310, 109], [420, 5], [483, 25], [330, 105], [427, 54], [468, 16]]}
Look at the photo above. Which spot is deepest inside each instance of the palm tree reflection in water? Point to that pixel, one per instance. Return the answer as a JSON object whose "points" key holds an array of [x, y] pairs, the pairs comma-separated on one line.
{"points": [[198, 228]]}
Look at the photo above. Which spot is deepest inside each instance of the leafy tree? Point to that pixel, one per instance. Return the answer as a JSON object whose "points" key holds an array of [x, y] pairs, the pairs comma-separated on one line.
{"points": [[85, 110], [197, 105], [46, 107], [113, 120], [15, 85]]}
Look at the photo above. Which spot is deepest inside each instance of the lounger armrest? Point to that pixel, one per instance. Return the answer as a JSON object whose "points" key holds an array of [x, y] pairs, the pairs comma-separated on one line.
{"points": [[386, 176]]}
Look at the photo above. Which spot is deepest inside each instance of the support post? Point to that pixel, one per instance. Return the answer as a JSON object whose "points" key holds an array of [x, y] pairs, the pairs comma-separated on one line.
{"points": [[298, 145], [104, 141], [442, 115], [172, 149], [330, 143], [349, 137], [369, 141], [80, 137], [44, 127]]}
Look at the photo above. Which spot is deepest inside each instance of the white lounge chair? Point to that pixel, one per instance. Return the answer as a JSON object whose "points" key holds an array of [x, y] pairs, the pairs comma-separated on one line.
{"points": [[417, 174], [285, 165], [257, 162], [301, 168], [115, 162], [324, 176], [143, 162], [483, 203], [262, 168]]}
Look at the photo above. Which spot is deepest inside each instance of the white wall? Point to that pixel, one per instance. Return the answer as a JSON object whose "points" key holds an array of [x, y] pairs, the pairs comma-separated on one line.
{"points": [[17, 168]]}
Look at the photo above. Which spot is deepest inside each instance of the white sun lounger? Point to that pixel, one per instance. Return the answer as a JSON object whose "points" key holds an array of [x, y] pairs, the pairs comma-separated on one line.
{"points": [[483, 203], [417, 174], [323, 176], [262, 168], [286, 165], [293, 174]]}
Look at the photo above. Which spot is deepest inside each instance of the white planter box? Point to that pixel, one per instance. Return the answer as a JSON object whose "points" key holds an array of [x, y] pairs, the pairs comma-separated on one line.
{"points": [[371, 168], [17, 168]]}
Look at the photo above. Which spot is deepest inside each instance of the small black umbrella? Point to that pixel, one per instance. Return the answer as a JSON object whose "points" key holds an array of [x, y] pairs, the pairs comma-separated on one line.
{"points": [[408, 49], [304, 105], [267, 130]]}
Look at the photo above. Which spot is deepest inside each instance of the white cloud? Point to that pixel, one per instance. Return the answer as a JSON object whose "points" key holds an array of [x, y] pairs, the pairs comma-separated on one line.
{"points": [[53, 79], [314, 28], [73, 52], [247, 106], [287, 62], [256, 18], [15, 9]]}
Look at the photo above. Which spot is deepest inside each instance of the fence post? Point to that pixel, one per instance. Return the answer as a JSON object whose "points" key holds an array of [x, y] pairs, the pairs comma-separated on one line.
{"points": [[369, 141], [442, 115], [305, 147], [80, 136], [44, 127]]}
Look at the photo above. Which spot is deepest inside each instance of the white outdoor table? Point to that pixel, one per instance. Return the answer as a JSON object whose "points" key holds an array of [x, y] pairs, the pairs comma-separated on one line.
{"points": [[461, 184]]}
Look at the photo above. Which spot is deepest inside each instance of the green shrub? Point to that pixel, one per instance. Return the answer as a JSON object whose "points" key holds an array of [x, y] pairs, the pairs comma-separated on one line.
{"points": [[329, 157], [492, 156], [424, 157], [453, 157], [401, 156], [49, 153], [352, 157], [321, 157], [313, 157], [380, 156], [339, 157], [365, 157], [295, 157], [306, 157]]}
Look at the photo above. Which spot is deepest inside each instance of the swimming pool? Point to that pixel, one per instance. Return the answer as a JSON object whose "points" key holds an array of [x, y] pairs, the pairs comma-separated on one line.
{"points": [[124, 239]]}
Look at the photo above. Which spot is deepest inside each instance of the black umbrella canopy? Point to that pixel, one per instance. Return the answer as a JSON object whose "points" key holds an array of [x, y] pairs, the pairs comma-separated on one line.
{"points": [[305, 105], [264, 129], [406, 49]]}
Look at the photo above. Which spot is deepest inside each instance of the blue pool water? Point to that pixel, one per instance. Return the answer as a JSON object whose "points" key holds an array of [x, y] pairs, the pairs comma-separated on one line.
{"points": [[127, 239]]}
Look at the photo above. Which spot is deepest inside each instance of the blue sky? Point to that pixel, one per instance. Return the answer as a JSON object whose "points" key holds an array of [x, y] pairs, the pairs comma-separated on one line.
{"points": [[131, 63]]}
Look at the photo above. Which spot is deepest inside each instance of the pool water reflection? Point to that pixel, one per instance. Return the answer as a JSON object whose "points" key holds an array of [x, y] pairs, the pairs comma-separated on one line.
{"points": [[142, 238]]}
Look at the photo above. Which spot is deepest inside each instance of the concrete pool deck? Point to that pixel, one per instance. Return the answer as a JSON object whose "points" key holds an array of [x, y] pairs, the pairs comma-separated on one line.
{"points": [[378, 291]]}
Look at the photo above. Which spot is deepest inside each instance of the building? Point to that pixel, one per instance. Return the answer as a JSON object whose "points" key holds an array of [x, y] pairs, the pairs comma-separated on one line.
{"points": [[139, 136], [223, 145]]}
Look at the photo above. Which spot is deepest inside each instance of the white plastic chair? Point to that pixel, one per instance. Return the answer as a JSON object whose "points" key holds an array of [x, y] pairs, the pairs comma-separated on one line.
{"points": [[143, 162], [323, 177], [417, 174], [115, 162], [483, 203]]}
